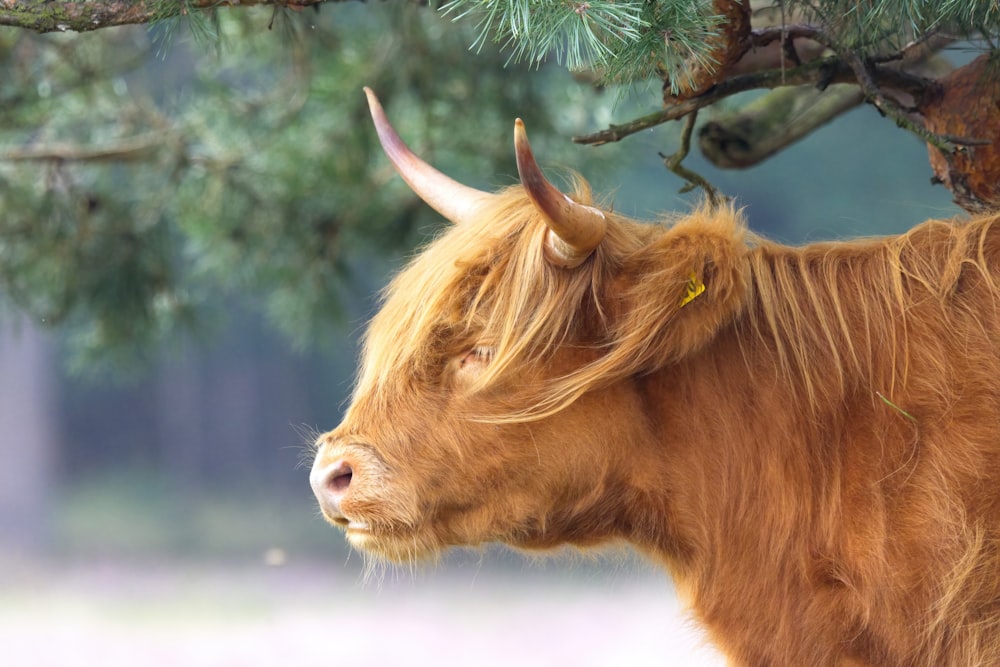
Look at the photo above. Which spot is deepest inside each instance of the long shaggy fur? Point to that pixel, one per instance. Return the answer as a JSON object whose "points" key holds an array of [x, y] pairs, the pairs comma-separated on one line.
{"points": [[811, 446]]}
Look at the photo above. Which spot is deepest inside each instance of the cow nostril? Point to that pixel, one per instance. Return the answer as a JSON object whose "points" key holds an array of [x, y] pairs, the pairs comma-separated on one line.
{"points": [[331, 484], [340, 478]]}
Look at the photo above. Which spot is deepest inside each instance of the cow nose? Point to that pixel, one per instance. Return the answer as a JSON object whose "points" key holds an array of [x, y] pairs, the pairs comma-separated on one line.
{"points": [[330, 483]]}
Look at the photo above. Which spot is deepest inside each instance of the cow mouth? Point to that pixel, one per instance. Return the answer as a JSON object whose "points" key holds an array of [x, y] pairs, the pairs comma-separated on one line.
{"points": [[356, 526], [395, 544], [350, 525], [366, 530]]}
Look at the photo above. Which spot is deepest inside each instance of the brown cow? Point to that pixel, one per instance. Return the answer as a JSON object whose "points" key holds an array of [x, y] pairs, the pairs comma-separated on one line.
{"points": [[807, 438]]}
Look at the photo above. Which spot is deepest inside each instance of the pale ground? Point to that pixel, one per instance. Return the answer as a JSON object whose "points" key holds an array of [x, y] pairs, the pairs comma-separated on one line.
{"points": [[183, 615]]}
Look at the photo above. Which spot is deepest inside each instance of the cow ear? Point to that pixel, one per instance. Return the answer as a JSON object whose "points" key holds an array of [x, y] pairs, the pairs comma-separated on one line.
{"points": [[687, 284], [710, 275]]}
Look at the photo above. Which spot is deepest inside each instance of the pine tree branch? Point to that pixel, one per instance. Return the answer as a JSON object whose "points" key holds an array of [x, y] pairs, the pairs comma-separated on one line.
{"points": [[864, 71], [134, 149], [82, 16], [746, 136], [823, 72], [872, 79], [739, 138]]}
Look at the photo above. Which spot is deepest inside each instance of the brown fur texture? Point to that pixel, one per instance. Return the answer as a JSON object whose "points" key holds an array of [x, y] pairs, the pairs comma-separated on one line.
{"points": [[811, 446]]}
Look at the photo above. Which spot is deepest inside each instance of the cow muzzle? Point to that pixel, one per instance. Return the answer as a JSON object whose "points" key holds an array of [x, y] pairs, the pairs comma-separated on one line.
{"points": [[331, 482], [348, 479]]}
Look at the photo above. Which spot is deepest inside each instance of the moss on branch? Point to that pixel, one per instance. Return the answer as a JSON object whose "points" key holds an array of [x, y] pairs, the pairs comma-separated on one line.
{"points": [[57, 16]]}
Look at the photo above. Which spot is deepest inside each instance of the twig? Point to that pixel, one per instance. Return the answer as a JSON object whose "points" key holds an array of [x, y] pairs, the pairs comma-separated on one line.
{"points": [[694, 179], [764, 36], [864, 73], [128, 150], [932, 41]]}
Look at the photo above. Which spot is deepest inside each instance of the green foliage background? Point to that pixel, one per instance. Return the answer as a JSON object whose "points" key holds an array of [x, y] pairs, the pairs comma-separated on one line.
{"points": [[149, 182], [248, 169]]}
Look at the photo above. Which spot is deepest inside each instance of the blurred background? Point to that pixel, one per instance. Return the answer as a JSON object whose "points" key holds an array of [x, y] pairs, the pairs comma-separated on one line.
{"points": [[195, 221]]}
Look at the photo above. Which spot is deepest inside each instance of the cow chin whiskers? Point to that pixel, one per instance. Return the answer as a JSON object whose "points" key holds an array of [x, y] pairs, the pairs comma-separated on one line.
{"points": [[374, 570], [405, 560], [397, 544]]}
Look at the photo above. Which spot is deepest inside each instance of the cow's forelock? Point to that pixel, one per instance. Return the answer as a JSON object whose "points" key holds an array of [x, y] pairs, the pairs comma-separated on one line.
{"points": [[484, 285]]}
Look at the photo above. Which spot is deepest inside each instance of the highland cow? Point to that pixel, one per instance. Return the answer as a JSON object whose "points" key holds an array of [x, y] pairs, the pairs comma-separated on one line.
{"points": [[808, 439]]}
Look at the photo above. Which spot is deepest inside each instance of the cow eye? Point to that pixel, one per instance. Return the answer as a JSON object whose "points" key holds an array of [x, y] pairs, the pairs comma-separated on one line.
{"points": [[476, 357]]}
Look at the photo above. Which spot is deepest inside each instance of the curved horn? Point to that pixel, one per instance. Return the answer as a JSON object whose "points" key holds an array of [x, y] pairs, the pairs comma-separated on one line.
{"points": [[575, 230], [454, 201]]}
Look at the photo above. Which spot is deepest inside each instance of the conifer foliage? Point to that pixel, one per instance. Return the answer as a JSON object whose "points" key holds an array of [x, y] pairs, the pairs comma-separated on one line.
{"points": [[884, 52], [123, 205], [149, 182]]}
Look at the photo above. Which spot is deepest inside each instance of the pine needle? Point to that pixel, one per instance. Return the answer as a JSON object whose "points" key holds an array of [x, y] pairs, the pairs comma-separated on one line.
{"points": [[895, 407]]}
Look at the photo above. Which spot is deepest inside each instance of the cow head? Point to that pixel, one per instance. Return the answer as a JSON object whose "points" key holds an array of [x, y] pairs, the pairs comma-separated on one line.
{"points": [[500, 396]]}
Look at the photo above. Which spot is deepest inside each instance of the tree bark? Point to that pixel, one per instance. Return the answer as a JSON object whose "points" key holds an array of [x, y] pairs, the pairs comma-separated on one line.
{"points": [[968, 104]]}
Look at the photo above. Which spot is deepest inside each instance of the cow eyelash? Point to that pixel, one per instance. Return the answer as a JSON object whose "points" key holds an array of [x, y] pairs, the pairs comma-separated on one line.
{"points": [[479, 354]]}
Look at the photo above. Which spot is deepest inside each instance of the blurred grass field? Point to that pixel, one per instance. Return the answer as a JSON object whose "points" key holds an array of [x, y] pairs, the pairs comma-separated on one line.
{"points": [[179, 614], [133, 581]]}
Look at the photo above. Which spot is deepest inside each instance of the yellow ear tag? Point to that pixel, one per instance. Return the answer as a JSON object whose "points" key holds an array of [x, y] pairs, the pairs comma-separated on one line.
{"points": [[693, 289]]}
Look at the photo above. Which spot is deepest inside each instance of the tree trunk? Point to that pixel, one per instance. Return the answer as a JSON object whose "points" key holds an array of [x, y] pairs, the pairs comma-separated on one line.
{"points": [[968, 106], [27, 438]]}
